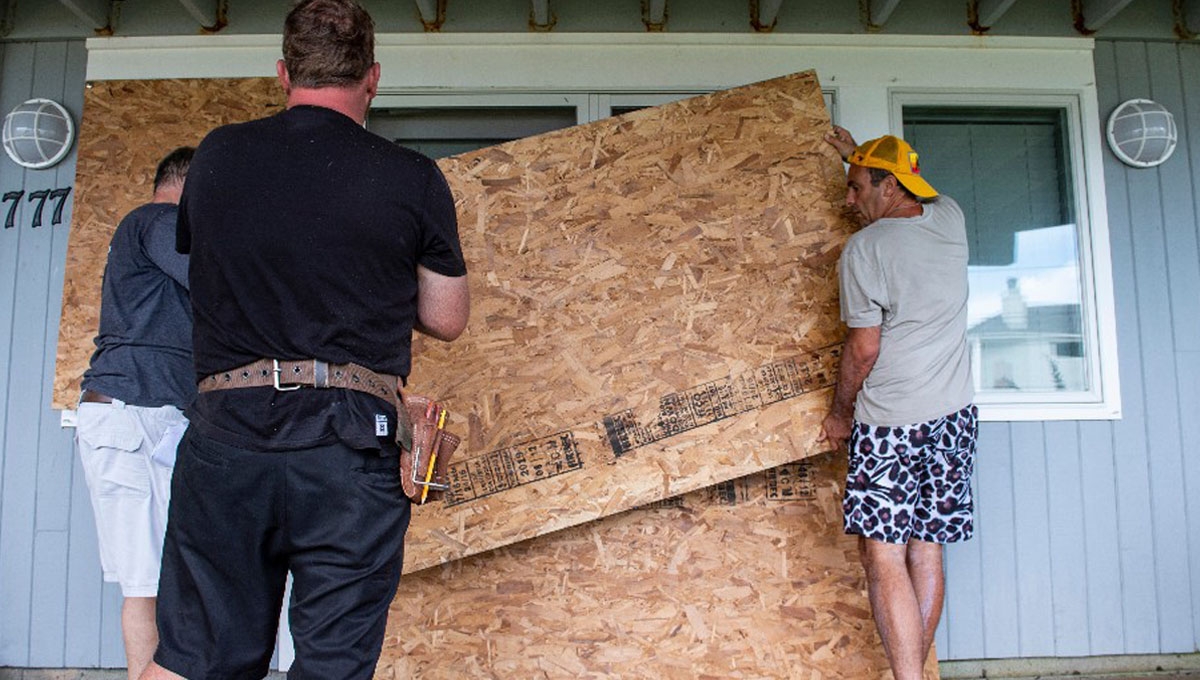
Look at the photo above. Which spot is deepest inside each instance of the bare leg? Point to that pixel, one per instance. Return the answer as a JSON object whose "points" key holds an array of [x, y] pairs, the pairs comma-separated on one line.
{"points": [[925, 572], [140, 631], [156, 672], [895, 606]]}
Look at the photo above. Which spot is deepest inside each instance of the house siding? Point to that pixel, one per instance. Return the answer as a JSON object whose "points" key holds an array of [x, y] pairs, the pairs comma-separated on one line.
{"points": [[1089, 532], [54, 609]]}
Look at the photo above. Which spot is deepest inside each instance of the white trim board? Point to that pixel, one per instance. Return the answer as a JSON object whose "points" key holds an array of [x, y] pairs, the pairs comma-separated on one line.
{"points": [[627, 62]]}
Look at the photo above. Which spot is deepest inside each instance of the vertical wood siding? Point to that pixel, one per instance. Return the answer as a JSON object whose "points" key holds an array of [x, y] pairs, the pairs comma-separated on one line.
{"points": [[54, 609], [1089, 532]]}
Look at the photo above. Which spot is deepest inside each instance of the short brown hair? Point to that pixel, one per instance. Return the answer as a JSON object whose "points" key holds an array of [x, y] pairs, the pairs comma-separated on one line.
{"points": [[328, 43], [173, 168]]}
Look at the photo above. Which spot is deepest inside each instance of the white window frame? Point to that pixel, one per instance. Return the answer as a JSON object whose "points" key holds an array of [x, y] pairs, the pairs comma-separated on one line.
{"points": [[1098, 314]]}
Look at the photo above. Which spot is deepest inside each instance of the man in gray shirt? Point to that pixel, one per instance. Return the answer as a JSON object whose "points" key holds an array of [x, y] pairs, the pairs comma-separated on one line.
{"points": [[904, 394], [134, 392]]}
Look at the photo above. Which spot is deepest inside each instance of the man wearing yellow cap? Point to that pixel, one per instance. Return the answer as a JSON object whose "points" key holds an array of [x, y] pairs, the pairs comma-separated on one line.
{"points": [[903, 400]]}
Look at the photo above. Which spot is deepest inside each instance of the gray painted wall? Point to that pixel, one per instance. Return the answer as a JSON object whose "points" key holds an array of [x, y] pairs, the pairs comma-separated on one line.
{"points": [[1089, 542], [54, 610]]}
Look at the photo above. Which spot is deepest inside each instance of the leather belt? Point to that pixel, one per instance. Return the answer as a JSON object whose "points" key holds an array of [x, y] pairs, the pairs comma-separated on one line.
{"points": [[93, 397], [286, 376]]}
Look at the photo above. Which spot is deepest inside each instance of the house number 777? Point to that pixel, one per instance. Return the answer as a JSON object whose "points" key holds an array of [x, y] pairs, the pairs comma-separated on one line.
{"points": [[60, 195]]}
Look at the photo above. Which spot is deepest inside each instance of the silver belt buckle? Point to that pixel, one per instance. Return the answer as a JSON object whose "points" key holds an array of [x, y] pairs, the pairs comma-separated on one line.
{"points": [[277, 370]]}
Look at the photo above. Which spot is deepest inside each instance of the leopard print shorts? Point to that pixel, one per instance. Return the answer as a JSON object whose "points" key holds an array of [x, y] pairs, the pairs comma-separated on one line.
{"points": [[913, 481]]}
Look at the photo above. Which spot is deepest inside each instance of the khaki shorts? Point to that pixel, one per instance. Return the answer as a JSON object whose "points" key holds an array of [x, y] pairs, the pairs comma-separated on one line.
{"points": [[129, 490]]}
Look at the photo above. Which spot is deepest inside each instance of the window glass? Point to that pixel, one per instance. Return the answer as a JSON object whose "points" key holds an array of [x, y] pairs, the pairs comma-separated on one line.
{"points": [[438, 132], [1010, 170]]}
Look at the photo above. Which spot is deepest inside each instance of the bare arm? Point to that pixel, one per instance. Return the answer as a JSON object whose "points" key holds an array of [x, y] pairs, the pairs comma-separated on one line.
{"points": [[858, 358], [443, 304]]}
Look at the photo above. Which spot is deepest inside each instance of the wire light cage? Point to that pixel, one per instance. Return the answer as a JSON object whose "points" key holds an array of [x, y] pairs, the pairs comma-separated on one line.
{"points": [[38, 133], [1142, 133]]}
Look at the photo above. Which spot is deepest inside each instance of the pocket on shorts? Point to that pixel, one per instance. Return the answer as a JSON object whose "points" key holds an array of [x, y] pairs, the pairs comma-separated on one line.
{"points": [[379, 474], [206, 450], [110, 444], [101, 426]]}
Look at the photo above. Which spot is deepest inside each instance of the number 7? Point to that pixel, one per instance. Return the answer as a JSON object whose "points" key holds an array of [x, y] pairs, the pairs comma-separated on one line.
{"points": [[15, 197]]}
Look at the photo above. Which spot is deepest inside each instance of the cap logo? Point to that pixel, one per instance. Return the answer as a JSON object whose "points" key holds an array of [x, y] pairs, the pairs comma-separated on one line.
{"points": [[912, 163]]}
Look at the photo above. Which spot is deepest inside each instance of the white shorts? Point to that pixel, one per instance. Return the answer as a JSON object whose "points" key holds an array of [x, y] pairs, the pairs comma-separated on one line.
{"points": [[130, 491]]}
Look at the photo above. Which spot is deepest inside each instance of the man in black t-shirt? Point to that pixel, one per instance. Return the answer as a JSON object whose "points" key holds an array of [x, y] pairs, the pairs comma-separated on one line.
{"points": [[316, 242]]}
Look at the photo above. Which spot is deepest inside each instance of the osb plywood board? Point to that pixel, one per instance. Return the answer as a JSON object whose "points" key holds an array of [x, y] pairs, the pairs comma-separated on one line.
{"points": [[654, 310], [654, 302], [748, 579], [126, 129]]}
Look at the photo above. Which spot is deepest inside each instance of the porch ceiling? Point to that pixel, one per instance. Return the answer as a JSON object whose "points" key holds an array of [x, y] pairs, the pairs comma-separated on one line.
{"points": [[86, 18]]}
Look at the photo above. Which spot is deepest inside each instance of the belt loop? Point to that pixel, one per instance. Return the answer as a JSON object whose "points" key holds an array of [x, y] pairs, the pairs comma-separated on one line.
{"points": [[320, 373]]}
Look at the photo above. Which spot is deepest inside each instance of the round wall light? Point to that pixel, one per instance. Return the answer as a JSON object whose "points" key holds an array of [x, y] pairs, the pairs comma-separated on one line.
{"points": [[38, 133], [1142, 133]]}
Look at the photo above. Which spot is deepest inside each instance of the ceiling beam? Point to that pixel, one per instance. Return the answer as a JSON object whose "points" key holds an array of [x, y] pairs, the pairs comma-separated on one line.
{"points": [[540, 17], [990, 11], [94, 13], [764, 14], [433, 14], [1090, 15], [212, 15], [6, 16], [879, 11], [1187, 19], [654, 15]]}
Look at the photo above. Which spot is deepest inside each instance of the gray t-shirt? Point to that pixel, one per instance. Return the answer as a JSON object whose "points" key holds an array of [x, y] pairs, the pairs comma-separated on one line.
{"points": [[144, 349], [909, 276]]}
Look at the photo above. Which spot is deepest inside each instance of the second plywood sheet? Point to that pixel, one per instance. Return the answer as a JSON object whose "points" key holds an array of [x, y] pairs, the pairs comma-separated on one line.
{"points": [[752, 578]]}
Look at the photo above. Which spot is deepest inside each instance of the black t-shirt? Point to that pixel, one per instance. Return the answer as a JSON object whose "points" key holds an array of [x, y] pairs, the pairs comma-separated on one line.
{"points": [[144, 348], [305, 231]]}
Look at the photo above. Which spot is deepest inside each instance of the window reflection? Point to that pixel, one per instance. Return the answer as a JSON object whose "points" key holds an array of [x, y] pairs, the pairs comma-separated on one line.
{"points": [[1009, 170], [1024, 324]]}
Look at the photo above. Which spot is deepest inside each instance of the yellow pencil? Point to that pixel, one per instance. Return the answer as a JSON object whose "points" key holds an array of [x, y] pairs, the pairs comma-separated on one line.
{"points": [[432, 457]]}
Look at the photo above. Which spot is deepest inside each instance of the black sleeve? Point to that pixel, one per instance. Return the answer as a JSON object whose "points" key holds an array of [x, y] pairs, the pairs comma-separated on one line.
{"points": [[441, 251]]}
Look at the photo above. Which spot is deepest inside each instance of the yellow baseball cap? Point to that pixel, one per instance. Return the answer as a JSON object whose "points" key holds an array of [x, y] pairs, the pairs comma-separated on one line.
{"points": [[897, 157]]}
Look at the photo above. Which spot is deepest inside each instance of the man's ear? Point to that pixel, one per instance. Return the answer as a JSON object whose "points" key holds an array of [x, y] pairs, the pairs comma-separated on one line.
{"points": [[891, 185], [373, 80], [281, 73]]}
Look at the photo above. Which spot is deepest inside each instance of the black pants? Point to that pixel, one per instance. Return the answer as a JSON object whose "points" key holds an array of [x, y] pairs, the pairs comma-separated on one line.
{"points": [[240, 520]]}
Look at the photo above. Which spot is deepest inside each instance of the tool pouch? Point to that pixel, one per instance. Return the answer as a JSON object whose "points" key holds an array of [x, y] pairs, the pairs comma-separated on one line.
{"points": [[426, 463]]}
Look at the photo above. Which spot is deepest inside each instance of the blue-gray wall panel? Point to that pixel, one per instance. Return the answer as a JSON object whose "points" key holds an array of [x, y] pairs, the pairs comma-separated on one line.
{"points": [[996, 522], [36, 454], [1189, 403], [20, 470], [54, 461], [1148, 223], [1189, 355], [81, 636], [964, 621], [1099, 514], [1068, 550], [1035, 594], [47, 617], [1135, 529]]}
